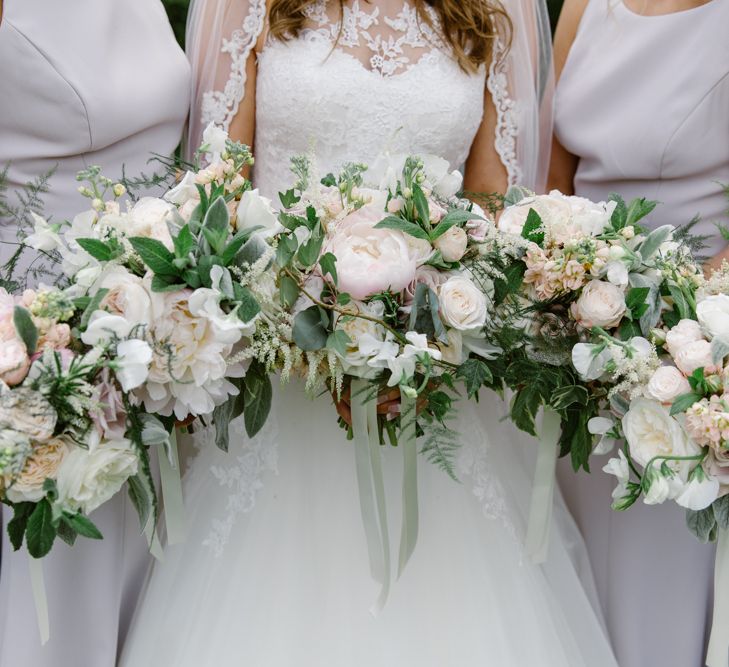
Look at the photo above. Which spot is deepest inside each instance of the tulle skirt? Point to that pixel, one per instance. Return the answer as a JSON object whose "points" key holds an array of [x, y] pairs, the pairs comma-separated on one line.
{"points": [[275, 572]]}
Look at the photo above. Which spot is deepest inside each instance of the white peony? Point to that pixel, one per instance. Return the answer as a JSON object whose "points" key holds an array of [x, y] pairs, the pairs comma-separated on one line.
{"points": [[256, 211], [666, 384], [463, 305], [686, 331], [452, 244], [713, 315], [214, 139], [601, 304], [651, 431], [149, 218], [87, 478], [591, 217]]}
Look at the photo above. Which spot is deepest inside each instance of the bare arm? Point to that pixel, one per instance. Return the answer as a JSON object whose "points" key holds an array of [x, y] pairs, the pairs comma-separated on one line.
{"points": [[563, 165], [243, 126]]}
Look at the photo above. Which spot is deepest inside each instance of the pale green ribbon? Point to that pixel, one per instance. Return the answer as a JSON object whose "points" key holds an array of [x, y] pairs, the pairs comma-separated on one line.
{"points": [[540, 510], [153, 543], [370, 480], [171, 481], [38, 587], [718, 653]]}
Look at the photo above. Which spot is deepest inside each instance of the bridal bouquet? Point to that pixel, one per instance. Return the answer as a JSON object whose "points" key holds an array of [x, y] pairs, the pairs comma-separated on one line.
{"points": [[373, 270], [69, 436]]}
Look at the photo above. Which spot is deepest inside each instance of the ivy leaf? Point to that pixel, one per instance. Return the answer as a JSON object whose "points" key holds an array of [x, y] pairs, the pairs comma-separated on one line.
{"points": [[289, 291], [310, 331], [155, 255], [257, 397], [564, 397], [96, 248], [533, 229], [328, 263], [41, 532], [25, 328], [474, 373], [339, 341], [19, 522], [402, 225], [309, 251], [289, 198], [287, 246], [82, 525], [684, 402]]}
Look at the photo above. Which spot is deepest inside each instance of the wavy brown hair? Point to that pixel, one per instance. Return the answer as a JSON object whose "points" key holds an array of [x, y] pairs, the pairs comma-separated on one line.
{"points": [[469, 27]]}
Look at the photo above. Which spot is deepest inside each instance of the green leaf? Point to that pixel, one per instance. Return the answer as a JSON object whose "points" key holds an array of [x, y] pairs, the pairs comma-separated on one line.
{"points": [[721, 512], [162, 283], [204, 267], [155, 255], [343, 298], [628, 329], [222, 415], [456, 217], [248, 306], [289, 198], [636, 297], [218, 217], [192, 278], [533, 229], [184, 242], [287, 246], [216, 238], [514, 274], [421, 204], [25, 328], [680, 302], [310, 331], [424, 317], [581, 441], [638, 209], [339, 341], [41, 531], [19, 522], [289, 291], [141, 494], [684, 402], [564, 397], [719, 349], [96, 248], [328, 263], [329, 181], [524, 408], [232, 248], [654, 240], [82, 525], [702, 524], [620, 215], [474, 373], [253, 249], [258, 394], [309, 252], [402, 225], [66, 533]]}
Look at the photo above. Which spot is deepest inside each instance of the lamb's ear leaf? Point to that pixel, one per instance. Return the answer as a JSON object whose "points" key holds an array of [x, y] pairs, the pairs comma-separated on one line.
{"points": [[25, 328]]}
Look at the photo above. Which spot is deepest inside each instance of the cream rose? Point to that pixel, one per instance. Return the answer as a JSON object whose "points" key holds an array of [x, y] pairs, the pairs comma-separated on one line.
{"points": [[42, 464], [651, 431], [686, 331], [452, 244], [463, 306], [713, 315], [601, 304], [87, 478], [696, 354], [370, 260], [28, 411], [129, 296], [149, 218], [666, 384]]}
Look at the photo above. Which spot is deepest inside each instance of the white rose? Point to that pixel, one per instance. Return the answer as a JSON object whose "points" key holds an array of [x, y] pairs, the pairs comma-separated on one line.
{"points": [[713, 315], [601, 304], [214, 139], [149, 218], [184, 191], [256, 211], [696, 354], [87, 478], [452, 244], [651, 431], [463, 306], [370, 260], [666, 384], [686, 331]]}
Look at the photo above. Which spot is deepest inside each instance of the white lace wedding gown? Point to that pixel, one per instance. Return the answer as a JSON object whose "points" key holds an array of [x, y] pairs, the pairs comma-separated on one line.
{"points": [[274, 572]]}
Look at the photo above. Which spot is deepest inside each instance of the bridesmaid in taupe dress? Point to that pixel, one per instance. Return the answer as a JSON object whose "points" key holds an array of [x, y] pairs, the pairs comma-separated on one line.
{"points": [[642, 109]]}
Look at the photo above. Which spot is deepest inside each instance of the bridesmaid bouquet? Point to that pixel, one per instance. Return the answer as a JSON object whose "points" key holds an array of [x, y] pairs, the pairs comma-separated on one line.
{"points": [[374, 268], [69, 435], [674, 420]]}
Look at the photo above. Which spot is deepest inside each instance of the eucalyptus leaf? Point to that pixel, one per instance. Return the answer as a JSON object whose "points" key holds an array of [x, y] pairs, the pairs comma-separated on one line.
{"points": [[309, 331], [289, 291]]}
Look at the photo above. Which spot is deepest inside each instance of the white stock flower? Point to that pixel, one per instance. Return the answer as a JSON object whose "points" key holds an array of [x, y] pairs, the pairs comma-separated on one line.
{"points": [[713, 315], [452, 244], [601, 304], [44, 237], [87, 478], [463, 305], [132, 363], [667, 384], [686, 331], [257, 211], [214, 139]]}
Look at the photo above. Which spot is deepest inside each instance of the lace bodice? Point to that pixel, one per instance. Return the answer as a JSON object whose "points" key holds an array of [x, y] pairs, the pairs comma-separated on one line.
{"points": [[349, 88]]}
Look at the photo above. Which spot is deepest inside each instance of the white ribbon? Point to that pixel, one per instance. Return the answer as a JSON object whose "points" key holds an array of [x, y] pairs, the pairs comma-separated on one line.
{"points": [[718, 653], [38, 587], [540, 510]]}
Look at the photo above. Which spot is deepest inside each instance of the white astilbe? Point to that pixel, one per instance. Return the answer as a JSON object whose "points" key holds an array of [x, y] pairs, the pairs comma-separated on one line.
{"points": [[632, 371], [717, 283]]}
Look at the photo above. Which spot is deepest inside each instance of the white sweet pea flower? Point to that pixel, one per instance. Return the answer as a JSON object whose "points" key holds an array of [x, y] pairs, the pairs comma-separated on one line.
{"points": [[132, 363], [228, 328], [256, 211], [450, 185], [659, 490], [589, 360], [600, 426], [214, 139], [45, 236], [620, 468], [617, 273], [183, 191], [698, 494], [104, 327], [418, 345]]}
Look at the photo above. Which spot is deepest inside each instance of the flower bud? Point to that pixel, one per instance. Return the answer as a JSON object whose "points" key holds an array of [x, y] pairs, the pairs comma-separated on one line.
{"points": [[119, 190]]}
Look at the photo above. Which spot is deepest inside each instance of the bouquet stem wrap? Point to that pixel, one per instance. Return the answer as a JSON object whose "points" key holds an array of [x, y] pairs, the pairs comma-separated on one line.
{"points": [[540, 510], [171, 481], [718, 654], [373, 504], [38, 587]]}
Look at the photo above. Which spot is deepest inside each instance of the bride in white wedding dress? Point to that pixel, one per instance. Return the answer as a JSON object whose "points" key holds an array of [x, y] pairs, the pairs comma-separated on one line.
{"points": [[274, 572]]}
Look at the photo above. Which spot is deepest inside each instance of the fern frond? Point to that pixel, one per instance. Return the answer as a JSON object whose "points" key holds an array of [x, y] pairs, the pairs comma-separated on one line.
{"points": [[440, 447]]}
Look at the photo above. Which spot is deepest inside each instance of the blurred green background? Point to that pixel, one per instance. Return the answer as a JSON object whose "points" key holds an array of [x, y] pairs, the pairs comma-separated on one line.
{"points": [[177, 11]]}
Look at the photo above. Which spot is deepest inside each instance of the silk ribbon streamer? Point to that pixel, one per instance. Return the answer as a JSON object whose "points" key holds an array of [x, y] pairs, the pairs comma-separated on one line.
{"points": [[38, 587], [410, 518], [171, 481], [153, 543], [718, 653], [540, 510]]}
